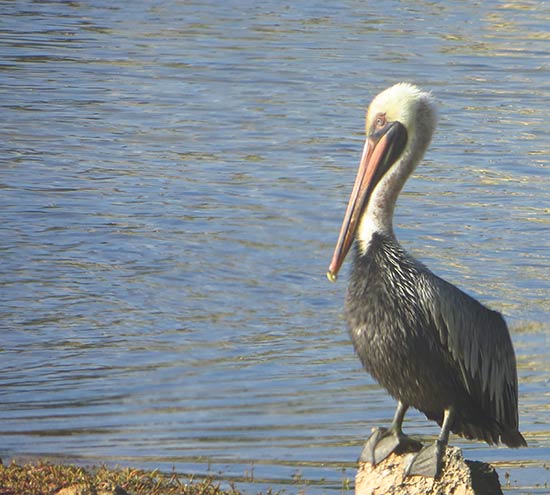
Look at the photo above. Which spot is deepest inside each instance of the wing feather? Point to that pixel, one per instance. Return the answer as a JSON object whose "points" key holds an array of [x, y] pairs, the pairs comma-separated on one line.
{"points": [[478, 341]]}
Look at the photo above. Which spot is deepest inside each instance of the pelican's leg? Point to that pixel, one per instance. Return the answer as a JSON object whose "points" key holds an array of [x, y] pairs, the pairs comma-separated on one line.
{"points": [[384, 441], [429, 461]]}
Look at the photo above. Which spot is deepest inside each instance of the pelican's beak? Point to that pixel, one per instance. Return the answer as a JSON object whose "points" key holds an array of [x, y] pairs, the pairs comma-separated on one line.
{"points": [[381, 150]]}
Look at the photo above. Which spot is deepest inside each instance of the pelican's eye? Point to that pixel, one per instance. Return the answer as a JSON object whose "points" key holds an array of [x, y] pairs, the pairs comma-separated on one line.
{"points": [[380, 121]]}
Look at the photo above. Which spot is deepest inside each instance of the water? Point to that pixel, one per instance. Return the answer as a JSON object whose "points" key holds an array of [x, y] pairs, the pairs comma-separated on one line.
{"points": [[173, 177]]}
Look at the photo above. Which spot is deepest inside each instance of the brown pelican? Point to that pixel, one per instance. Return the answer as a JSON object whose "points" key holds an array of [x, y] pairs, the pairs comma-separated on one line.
{"points": [[429, 344]]}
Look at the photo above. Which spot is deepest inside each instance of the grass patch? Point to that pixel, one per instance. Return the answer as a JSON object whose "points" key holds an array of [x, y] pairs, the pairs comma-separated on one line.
{"points": [[44, 478]]}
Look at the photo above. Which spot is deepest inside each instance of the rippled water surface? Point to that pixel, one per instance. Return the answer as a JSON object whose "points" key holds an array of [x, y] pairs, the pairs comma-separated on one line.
{"points": [[173, 176]]}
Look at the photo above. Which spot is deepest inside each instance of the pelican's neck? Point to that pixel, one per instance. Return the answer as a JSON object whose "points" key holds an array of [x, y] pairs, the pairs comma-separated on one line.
{"points": [[378, 214]]}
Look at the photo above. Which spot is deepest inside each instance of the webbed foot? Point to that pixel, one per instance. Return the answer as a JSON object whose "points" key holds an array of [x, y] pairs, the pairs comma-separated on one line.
{"points": [[383, 442], [428, 462]]}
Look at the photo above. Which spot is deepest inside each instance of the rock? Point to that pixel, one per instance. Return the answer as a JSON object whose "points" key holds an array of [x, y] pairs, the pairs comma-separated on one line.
{"points": [[116, 490], [81, 489], [75, 490], [459, 477]]}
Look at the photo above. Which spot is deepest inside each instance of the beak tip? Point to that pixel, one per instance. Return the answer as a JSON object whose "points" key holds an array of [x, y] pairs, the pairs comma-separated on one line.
{"points": [[332, 276]]}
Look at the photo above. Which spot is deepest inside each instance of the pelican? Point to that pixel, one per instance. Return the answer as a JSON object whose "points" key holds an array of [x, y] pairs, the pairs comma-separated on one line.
{"points": [[429, 344]]}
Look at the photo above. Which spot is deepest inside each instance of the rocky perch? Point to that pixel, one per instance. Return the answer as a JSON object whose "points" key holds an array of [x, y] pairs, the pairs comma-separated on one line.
{"points": [[460, 477]]}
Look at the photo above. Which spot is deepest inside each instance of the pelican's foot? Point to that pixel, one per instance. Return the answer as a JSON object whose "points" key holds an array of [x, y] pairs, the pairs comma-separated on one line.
{"points": [[428, 462], [383, 442]]}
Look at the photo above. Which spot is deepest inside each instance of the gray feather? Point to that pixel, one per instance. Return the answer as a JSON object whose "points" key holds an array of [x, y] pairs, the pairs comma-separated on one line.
{"points": [[480, 344], [431, 345]]}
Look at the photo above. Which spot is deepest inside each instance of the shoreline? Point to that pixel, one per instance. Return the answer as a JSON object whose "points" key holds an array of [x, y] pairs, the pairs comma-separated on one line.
{"points": [[42, 477]]}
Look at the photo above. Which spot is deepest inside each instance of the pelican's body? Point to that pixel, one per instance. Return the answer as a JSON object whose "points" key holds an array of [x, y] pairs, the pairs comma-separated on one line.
{"points": [[429, 344]]}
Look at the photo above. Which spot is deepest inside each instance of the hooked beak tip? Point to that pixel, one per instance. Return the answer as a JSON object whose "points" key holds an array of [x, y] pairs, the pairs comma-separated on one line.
{"points": [[332, 276]]}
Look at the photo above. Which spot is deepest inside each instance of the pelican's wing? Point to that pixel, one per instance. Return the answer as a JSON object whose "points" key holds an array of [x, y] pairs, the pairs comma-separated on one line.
{"points": [[478, 340]]}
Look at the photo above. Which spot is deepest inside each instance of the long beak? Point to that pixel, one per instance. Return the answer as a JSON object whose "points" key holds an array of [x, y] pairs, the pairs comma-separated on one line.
{"points": [[379, 153]]}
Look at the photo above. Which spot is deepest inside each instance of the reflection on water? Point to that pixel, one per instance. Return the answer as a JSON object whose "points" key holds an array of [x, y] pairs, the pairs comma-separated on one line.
{"points": [[173, 178]]}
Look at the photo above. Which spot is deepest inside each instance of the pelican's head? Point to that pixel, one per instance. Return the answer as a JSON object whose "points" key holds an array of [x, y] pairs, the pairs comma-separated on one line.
{"points": [[399, 125]]}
